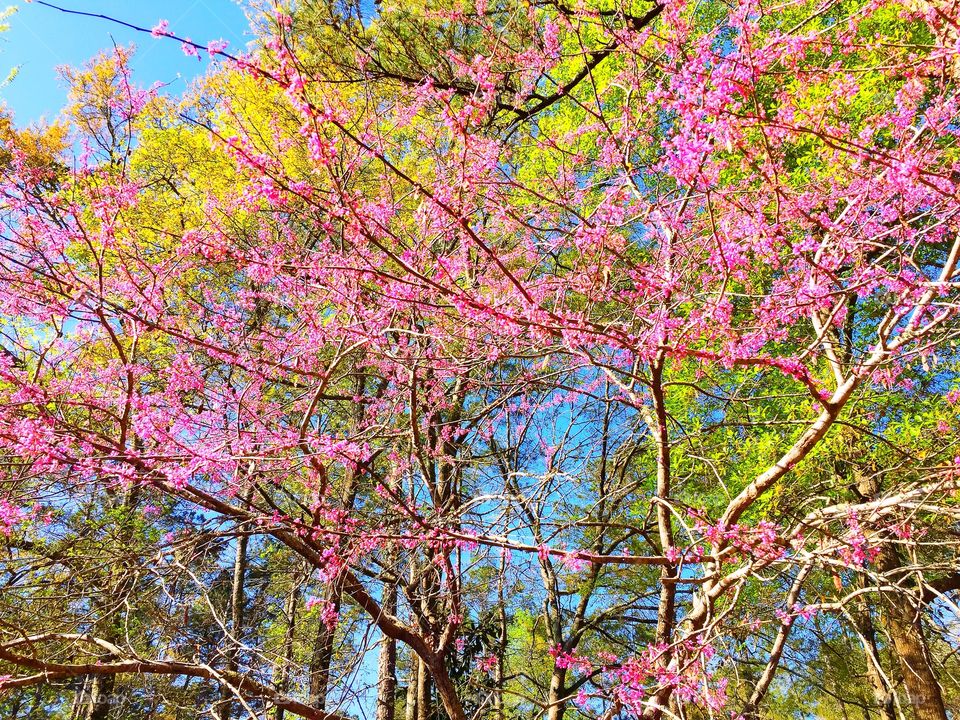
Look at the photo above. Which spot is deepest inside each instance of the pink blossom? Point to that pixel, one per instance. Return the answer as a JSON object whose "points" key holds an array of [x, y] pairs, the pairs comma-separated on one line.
{"points": [[858, 552], [328, 611], [161, 29], [572, 561], [566, 660], [10, 516], [189, 49], [216, 47], [487, 664]]}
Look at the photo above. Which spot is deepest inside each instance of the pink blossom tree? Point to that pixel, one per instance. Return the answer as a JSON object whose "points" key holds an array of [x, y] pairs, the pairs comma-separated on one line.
{"points": [[645, 309]]}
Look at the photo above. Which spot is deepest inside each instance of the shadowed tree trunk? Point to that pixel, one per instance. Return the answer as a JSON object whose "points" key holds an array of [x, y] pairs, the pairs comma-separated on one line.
{"points": [[322, 656], [903, 623], [237, 602], [290, 620], [118, 584], [424, 691], [101, 692], [901, 616], [900, 613], [387, 663], [498, 707], [882, 692], [410, 710]]}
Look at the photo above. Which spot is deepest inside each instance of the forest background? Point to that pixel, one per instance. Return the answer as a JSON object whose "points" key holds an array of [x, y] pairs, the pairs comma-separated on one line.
{"points": [[509, 359]]}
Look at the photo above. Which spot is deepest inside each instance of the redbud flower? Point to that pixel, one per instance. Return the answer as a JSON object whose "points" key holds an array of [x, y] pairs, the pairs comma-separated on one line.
{"points": [[160, 29]]}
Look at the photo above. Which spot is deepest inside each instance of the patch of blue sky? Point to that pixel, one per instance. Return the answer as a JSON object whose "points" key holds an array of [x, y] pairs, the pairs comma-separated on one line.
{"points": [[41, 38]]}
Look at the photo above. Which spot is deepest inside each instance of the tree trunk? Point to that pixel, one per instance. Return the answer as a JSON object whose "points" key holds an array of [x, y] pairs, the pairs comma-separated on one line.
{"points": [[667, 606], [387, 664], [101, 691], [556, 695], [290, 618], [424, 691], [410, 710], [498, 706], [119, 583], [902, 621], [437, 675], [17, 704], [80, 698], [902, 618], [752, 708], [225, 705], [882, 692], [322, 657]]}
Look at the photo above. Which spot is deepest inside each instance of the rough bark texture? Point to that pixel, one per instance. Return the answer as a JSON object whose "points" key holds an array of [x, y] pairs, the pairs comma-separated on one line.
{"points": [[902, 621], [387, 664], [882, 692], [101, 692], [290, 619], [322, 656], [410, 709], [237, 602], [556, 697], [424, 691]]}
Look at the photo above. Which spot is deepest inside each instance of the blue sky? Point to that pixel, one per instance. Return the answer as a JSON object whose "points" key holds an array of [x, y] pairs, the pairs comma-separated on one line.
{"points": [[40, 39]]}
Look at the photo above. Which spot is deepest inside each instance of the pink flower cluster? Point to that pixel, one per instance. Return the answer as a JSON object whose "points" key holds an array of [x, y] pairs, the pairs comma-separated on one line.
{"points": [[487, 664], [329, 614], [566, 660], [761, 542], [858, 551], [161, 29], [640, 677], [10, 516]]}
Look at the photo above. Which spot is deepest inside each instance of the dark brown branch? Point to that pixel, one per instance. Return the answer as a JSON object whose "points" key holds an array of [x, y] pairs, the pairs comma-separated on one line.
{"points": [[593, 60], [49, 671]]}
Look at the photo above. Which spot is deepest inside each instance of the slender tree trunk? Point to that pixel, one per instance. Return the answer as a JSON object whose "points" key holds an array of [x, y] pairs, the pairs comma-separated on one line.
{"points": [[667, 606], [237, 602], [882, 692], [15, 707], [498, 706], [290, 619], [410, 709], [322, 657], [79, 698], [118, 584], [902, 621], [751, 710], [424, 691], [101, 696], [387, 664], [37, 709], [556, 694]]}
